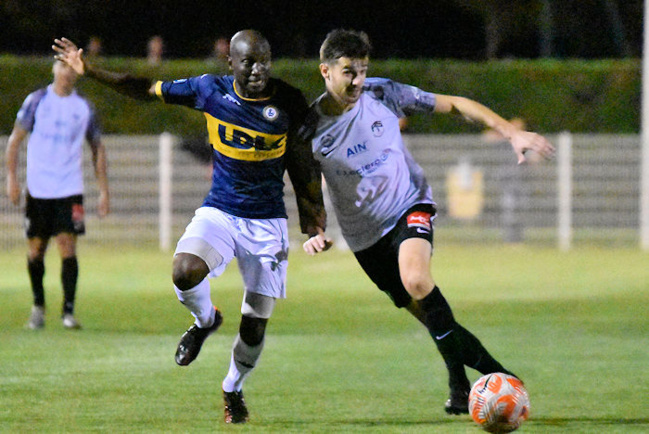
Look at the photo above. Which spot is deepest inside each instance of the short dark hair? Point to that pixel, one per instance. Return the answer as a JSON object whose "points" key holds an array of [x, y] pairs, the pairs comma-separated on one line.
{"points": [[345, 43]]}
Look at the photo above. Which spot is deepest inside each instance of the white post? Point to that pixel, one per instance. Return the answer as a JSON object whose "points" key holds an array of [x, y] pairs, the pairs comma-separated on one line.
{"points": [[644, 129], [165, 216], [564, 188]]}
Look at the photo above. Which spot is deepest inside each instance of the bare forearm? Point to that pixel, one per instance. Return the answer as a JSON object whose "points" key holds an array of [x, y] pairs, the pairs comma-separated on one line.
{"points": [[474, 112], [101, 169], [134, 87], [13, 146]]}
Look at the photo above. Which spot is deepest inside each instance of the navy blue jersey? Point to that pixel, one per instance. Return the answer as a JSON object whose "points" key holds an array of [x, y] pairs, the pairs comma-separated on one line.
{"points": [[251, 140]]}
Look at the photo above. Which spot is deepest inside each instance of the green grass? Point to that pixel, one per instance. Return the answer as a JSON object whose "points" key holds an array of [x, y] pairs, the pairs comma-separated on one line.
{"points": [[338, 357]]}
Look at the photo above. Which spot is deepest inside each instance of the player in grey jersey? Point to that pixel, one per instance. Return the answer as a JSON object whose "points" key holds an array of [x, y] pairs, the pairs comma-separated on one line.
{"points": [[380, 195]]}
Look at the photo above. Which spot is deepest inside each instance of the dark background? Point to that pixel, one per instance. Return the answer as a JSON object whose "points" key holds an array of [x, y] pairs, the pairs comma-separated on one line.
{"points": [[462, 29]]}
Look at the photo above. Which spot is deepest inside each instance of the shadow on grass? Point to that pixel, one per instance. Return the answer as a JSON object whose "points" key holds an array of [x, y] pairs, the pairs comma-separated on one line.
{"points": [[366, 423], [452, 424], [563, 421]]}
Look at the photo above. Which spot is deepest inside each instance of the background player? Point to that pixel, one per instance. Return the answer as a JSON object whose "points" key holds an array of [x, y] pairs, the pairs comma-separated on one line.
{"points": [[251, 120], [59, 120], [383, 204]]}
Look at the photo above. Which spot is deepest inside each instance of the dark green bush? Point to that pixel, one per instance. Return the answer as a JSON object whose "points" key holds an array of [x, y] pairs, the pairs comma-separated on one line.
{"points": [[581, 96]]}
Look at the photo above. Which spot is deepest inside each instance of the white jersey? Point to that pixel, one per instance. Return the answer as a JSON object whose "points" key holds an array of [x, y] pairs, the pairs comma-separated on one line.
{"points": [[58, 125], [371, 177]]}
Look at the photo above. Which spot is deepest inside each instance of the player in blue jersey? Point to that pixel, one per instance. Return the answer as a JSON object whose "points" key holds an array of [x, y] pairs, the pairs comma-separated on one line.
{"points": [[58, 121], [381, 198], [252, 121]]}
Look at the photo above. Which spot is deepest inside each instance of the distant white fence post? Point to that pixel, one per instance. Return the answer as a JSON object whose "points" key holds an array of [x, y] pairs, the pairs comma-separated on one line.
{"points": [[165, 191], [644, 190], [564, 189], [644, 129]]}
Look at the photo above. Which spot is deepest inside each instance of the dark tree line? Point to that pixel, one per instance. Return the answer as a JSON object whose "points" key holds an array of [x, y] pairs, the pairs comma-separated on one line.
{"points": [[465, 29]]}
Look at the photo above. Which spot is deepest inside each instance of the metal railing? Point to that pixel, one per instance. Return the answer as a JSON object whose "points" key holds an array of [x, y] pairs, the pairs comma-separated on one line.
{"points": [[589, 194]]}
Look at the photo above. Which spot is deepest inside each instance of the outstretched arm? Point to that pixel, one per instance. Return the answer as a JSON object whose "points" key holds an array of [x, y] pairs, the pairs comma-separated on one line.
{"points": [[522, 141], [135, 87]]}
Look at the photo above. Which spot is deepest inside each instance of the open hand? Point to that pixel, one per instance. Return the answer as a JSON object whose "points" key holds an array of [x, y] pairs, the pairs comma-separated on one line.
{"points": [[70, 54], [524, 141]]}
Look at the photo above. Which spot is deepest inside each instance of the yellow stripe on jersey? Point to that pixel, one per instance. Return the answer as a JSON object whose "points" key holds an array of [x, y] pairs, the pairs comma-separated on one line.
{"points": [[242, 143]]}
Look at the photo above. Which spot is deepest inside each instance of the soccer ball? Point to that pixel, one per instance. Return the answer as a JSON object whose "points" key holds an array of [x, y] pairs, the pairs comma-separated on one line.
{"points": [[499, 403]]}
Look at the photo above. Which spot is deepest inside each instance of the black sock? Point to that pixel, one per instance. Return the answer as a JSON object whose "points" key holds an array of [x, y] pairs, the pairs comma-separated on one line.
{"points": [[441, 325], [476, 355], [36, 270], [69, 274]]}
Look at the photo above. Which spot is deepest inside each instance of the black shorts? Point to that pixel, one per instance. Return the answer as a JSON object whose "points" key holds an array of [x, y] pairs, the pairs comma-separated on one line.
{"points": [[45, 218], [381, 261]]}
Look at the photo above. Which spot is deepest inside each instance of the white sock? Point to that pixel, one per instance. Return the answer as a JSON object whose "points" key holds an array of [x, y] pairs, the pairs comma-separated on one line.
{"points": [[243, 361], [199, 302]]}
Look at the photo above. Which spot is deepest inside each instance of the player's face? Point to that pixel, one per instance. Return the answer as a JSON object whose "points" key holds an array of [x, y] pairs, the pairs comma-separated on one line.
{"points": [[64, 76], [344, 79], [250, 63]]}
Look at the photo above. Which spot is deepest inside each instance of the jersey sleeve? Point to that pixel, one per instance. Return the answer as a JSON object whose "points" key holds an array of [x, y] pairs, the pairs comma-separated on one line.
{"points": [[401, 99], [27, 112], [190, 92]]}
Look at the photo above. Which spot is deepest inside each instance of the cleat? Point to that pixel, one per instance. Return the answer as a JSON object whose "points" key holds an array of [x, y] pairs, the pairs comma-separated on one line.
{"points": [[458, 402], [70, 323], [192, 340], [235, 407], [37, 318]]}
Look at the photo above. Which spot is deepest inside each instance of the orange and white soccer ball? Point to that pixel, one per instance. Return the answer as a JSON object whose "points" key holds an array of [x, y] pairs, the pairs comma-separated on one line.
{"points": [[499, 403]]}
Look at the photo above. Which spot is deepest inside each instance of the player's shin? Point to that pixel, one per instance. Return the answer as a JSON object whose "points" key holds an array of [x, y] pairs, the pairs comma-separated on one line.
{"points": [[243, 361], [36, 270], [199, 302], [69, 276], [441, 325]]}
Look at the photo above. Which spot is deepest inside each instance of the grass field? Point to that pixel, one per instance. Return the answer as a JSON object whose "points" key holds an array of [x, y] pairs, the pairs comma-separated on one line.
{"points": [[338, 356]]}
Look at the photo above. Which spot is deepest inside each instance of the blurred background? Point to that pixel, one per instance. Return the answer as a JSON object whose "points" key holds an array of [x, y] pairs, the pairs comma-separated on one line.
{"points": [[461, 29], [569, 69]]}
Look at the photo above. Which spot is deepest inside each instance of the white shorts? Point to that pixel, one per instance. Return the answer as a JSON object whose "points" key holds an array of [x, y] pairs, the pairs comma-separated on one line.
{"points": [[260, 246]]}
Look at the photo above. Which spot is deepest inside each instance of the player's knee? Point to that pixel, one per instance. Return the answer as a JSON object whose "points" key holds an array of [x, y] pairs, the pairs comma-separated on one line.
{"points": [[37, 250], [188, 271], [418, 285], [252, 330]]}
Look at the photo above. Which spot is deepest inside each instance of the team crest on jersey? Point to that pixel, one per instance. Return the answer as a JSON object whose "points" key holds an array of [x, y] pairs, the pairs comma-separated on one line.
{"points": [[270, 112], [377, 129]]}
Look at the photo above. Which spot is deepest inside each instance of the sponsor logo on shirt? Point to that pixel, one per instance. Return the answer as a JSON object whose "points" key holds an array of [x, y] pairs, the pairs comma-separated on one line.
{"points": [[230, 98], [366, 168], [357, 149], [419, 220], [243, 143], [326, 145]]}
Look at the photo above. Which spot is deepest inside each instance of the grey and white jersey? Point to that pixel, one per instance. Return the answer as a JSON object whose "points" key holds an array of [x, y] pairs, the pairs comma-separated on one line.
{"points": [[371, 177]]}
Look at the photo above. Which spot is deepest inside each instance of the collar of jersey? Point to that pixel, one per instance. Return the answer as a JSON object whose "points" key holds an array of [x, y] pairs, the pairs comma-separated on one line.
{"points": [[234, 86]]}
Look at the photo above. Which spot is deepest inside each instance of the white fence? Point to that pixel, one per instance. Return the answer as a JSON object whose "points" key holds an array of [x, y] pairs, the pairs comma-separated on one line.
{"points": [[589, 194]]}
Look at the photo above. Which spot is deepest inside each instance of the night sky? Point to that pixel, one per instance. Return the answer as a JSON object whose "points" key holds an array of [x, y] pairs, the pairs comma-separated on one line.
{"points": [[406, 29]]}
